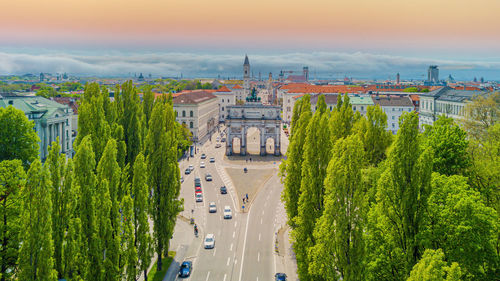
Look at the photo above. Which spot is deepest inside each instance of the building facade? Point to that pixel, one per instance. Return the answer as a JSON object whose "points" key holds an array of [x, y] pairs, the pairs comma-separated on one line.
{"points": [[199, 112], [394, 106], [52, 120], [225, 98]]}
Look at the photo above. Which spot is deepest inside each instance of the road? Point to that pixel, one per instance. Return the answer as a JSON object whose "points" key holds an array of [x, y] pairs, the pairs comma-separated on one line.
{"points": [[244, 245]]}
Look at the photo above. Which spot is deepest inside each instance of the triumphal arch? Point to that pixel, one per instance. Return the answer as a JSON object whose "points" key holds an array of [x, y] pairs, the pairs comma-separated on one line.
{"points": [[253, 113]]}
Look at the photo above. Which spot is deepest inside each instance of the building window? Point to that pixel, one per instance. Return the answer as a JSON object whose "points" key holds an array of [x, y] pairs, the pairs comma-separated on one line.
{"points": [[67, 122], [362, 108], [392, 117], [393, 125], [330, 108], [354, 108], [191, 124], [191, 113], [183, 113], [393, 109], [222, 108], [222, 100]]}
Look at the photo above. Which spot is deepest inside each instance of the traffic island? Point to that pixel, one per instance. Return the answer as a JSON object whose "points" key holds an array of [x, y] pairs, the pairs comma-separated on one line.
{"points": [[248, 183]]}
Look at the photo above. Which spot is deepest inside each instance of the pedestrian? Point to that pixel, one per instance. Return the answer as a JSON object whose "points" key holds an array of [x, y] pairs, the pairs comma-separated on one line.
{"points": [[246, 196], [243, 200]]}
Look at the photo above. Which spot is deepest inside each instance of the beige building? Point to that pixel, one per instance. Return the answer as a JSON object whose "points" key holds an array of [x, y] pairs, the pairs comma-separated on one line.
{"points": [[225, 98], [199, 111]]}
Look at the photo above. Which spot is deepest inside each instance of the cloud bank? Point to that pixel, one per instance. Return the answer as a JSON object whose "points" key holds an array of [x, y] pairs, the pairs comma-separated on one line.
{"points": [[321, 65]]}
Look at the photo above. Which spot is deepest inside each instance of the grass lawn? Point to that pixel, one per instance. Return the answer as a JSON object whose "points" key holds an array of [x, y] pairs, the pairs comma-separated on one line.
{"points": [[158, 275]]}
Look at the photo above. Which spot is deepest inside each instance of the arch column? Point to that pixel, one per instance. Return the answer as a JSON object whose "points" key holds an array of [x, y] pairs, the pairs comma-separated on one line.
{"points": [[263, 138], [277, 141], [243, 142], [229, 142]]}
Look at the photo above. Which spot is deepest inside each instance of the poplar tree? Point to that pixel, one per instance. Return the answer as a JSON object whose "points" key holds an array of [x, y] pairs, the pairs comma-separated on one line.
{"points": [[143, 241], [433, 267], [316, 156], [397, 217], [131, 121], [376, 139], [342, 118], [36, 260], [85, 181], [129, 249], [12, 180], [56, 163], [163, 171], [291, 168], [339, 250]]}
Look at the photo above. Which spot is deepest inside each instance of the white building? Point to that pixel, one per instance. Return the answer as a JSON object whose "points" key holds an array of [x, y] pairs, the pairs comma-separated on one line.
{"points": [[447, 101], [239, 93], [199, 111], [394, 106], [225, 98]]}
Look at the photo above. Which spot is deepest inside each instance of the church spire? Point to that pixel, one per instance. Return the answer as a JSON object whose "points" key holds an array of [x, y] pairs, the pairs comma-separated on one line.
{"points": [[246, 60]]}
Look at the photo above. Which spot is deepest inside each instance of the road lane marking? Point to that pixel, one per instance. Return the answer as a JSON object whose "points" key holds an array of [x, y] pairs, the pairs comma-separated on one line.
{"points": [[260, 220], [231, 248], [258, 256], [235, 224], [215, 250], [208, 275], [225, 275], [262, 212], [259, 236], [244, 245], [234, 232], [227, 263]]}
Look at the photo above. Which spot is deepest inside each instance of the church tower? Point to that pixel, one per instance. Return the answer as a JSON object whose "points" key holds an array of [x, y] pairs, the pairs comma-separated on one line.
{"points": [[246, 77]]}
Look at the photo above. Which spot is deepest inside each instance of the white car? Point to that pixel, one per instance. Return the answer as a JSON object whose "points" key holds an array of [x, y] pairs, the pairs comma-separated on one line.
{"points": [[202, 164], [199, 197], [191, 167], [209, 242], [212, 208], [227, 212]]}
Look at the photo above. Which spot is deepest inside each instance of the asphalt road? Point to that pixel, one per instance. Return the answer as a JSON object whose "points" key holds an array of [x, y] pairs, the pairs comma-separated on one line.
{"points": [[244, 245]]}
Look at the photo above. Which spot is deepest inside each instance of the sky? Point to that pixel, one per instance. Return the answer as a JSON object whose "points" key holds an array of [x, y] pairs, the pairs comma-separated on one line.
{"points": [[361, 38]]}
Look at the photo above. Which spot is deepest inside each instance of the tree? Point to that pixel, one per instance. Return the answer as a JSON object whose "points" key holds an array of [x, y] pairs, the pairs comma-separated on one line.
{"points": [[481, 113], [339, 250], [86, 183], [342, 119], [433, 267], [316, 155], [56, 164], [18, 140], [36, 260], [396, 218], [164, 174], [12, 180], [449, 143], [140, 191], [130, 120], [376, 139], [291, 168], [461, 225], [129, 251]]}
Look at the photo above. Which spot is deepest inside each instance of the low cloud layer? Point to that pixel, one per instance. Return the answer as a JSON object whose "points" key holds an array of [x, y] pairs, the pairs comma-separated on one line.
{"points": [[321, 65]]}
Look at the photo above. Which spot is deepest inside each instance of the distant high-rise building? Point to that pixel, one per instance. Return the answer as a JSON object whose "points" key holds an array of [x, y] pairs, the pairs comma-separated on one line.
{"points": [[246, 76], [397, 78], [482, 79], [433, 74], [42, 77], [141, 78], [475, 80], [305, 70]]}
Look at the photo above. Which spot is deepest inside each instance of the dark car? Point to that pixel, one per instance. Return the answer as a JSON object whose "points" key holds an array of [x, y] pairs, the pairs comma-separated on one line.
{"points": [[208, 177], [223, 140], [223, 190], [203, 156], [186, 269], [197, 182], [187, 171], [280, 277], [245, 170]]}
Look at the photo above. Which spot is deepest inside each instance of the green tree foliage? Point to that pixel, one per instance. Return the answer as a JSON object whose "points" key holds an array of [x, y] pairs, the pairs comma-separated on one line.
{"points": [[463, 226], [128, 241], [18, 140], [36, 260], [316, 155], [396, 218], [292, 166], [339, 250], [56, 164], [184, 137], [373, 131], [131, 121], [342, 119], [143, 240], [433, 267], [449, 143], [12, 180], [148, 100], [481, 113], [163, 171]]}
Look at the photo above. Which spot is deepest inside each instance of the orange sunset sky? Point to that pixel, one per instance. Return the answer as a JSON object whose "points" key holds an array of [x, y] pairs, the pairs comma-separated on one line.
{"points": [[281, 24]]}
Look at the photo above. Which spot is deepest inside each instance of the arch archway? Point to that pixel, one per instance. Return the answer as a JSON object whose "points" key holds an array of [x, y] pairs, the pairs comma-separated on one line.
{"points": [[235, 143], [253, 140], [270, 146]]}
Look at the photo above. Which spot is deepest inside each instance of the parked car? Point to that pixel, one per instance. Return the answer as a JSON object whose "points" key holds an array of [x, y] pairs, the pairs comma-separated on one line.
{"points": [[227, 212], [197, 189], [182, 179], [202, 164], [280, 277], [203, 156], [212, 160], [209, 242], [199, 197], [212, 208], [187, 171], [223, 140], [223, 190], [208, 177], [186, 269], [218, 138], [217, 145]]}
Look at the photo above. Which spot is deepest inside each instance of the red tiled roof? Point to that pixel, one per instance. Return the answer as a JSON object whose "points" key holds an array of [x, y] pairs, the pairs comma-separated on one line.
{"points": [[194, 97], [237, 87], [223, 89], [69, 101]]}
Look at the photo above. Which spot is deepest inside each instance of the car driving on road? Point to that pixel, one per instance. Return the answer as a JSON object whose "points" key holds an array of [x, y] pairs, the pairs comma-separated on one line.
{"points": [[227, 212], [208, 177], [197, 189], [209, 242], [203, 156], [191, 167], [223, 190], [212, 160], [186, 268], [202, 164], [212, 208], [199, 197], [187, 171], [280, 277], [217, 145]]}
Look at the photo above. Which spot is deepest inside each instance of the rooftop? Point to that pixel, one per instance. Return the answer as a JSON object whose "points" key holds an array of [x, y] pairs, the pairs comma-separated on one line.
{"points": [[33, 104], [392, 100], [194, 97]]}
